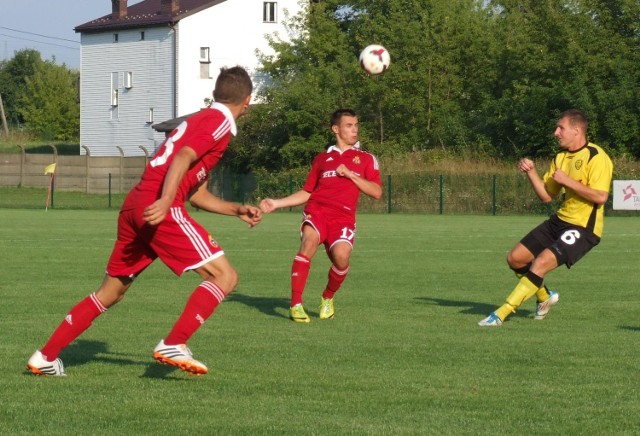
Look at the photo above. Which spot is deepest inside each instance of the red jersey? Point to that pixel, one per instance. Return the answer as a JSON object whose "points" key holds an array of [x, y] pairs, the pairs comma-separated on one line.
{"points": [[208, 133], [332, 191]]}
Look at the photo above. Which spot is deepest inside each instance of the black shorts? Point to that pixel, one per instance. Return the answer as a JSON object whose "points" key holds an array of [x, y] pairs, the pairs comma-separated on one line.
{"points": [[566, 241]]}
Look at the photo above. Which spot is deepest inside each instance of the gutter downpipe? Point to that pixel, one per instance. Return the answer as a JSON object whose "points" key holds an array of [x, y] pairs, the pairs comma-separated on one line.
{"points": [[175, 70]]}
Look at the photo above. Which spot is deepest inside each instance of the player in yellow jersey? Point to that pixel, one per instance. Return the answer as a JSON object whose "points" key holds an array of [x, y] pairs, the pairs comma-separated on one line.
{"points": [[583, 170]]}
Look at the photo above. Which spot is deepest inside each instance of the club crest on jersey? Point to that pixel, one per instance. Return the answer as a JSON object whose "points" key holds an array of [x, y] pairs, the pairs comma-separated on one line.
{"points": [[578, 164], [356, 160], [212, 242]]}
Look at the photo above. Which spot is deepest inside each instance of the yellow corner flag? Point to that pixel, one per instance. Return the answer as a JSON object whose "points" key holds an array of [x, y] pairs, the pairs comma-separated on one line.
{"points": [[50, 169]]}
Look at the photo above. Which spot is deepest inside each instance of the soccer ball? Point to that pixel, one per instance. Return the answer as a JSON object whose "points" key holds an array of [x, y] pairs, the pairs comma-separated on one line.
{"points": [[375, 59]]}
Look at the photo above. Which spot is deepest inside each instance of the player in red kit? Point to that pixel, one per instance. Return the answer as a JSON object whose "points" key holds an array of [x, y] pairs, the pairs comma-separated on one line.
{"points": [[154, 222], [331, 193]]}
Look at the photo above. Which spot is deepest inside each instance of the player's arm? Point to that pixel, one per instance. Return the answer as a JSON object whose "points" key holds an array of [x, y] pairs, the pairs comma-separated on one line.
{"points": [[528, 167], [203, 199], [365, 186], [157, 211], [593, 195], [268, 205]]}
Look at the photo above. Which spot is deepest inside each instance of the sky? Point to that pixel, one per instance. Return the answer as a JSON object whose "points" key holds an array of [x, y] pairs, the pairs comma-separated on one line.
{"points": [[47, 26]]}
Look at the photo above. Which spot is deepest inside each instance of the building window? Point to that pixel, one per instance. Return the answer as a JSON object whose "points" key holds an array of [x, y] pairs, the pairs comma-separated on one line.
{"points": [[150, 119], [205, 62], [115, 37], [269, 12], [114, 89], [141, 36], [204, 54], [128, 79]]}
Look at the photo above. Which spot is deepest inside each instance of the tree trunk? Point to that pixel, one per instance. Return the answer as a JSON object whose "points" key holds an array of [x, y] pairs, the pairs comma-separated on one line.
{"points": [[4, 119]]}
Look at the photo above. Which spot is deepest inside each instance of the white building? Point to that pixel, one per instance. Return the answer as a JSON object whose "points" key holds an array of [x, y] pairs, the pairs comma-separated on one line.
{"points": [[158, 59]]}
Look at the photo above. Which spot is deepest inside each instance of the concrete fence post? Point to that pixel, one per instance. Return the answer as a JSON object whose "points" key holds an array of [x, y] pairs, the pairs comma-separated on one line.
{"points": [[146, 156], [121, 167], [55, 153], [86, 177]]}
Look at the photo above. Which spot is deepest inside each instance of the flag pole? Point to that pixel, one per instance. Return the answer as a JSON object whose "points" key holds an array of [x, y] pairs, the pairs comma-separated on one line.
{"points": [[51, 170], [46, 206]]}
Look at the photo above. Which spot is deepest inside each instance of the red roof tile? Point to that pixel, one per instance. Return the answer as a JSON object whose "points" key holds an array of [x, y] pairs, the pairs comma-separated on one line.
{"points": [[144, 14]]}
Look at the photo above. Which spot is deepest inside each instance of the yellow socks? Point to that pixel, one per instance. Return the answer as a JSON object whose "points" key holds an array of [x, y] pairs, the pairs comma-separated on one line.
{"points": [[524, 290], [542, 294]]}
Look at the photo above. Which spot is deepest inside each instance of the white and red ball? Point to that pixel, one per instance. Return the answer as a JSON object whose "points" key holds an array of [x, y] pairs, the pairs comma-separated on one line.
{"points": [[375, 59]]}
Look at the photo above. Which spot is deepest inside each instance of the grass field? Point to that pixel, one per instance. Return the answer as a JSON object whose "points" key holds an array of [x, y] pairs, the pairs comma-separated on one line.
{"points": [[402, 356]]}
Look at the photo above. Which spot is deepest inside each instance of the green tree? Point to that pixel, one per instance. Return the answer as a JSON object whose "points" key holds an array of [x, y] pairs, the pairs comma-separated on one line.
{"points": [[13, 76], [487, 76], [559, 55], [49, 103], [421, 102]]}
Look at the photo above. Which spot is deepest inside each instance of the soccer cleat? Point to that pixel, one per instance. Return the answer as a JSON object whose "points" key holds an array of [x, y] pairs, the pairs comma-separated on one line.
{"points": [[180, 356], [491, 321], [326, 308], [39, 366], [543, 308], [298, 314]]}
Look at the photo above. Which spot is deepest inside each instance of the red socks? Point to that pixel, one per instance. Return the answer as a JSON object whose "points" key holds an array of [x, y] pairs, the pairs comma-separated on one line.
{"points": [[200, 306], [299, 275], [336, 277], [77, 321]]}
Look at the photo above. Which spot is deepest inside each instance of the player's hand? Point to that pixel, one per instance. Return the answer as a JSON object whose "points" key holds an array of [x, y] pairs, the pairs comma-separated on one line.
{"points": [[268, 205], [343, 171], [525, 165], [560, 177], [250, 215], [156, 212]]}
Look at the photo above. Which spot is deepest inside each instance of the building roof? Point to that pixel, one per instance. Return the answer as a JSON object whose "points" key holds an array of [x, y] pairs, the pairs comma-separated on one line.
{"points": [[145, 14]]}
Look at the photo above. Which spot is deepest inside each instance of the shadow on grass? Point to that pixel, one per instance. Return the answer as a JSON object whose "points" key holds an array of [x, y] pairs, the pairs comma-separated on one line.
{"points": [[468, 307], [267, 305], [82, 352], [630, 328]]}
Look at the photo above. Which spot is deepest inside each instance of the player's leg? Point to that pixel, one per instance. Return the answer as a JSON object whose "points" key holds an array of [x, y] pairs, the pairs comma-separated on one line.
{"points": [[129, 257], [520, 259], [310, 239], [340, 254], [219, 279], [527, 286], [185, 245], [79, 319]]}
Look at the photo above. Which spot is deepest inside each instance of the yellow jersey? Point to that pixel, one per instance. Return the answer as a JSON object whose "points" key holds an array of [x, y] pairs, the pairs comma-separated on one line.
{"points": [[592, 167]]}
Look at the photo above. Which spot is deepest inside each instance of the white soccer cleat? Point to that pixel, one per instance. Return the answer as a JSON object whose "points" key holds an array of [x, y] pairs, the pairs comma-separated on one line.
{"points": [[543, 308], [180, 356], [39, 366], [491, 321]]}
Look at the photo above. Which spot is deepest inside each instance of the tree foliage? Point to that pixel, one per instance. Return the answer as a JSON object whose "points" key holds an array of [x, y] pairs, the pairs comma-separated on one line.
{"points": [[50, 102], [13, 75], [473, 76], [41, 95]]}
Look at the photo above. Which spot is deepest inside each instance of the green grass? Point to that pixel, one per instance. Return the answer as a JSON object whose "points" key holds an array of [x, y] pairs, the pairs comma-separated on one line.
{"points": [[402, 356]]}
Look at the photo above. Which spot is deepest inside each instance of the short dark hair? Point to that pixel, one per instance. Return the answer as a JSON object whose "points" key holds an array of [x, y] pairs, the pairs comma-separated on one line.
{"points": [[337, 115], [233, 85], [576, 117]]}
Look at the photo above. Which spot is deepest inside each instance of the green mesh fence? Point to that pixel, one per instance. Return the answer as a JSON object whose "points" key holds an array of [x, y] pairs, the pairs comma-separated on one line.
{"points": [[425, 192]]}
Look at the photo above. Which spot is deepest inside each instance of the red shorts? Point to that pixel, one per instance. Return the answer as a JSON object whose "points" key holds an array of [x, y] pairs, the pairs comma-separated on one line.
{"points": [[179, 241], [331, 227]]}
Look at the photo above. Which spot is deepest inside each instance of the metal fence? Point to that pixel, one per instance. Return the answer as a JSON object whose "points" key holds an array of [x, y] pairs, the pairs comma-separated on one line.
{"points": [[105, 181], [402, 193]]}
